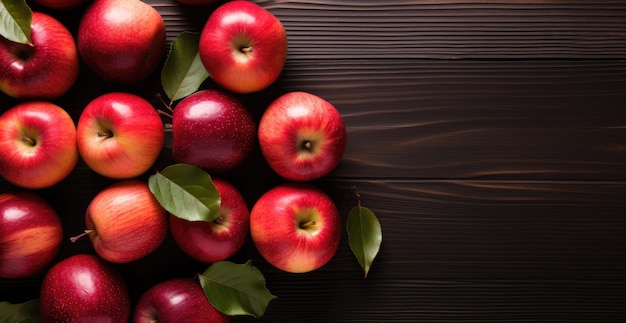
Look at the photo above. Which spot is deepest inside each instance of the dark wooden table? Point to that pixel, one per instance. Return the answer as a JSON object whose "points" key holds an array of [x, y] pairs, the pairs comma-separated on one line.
{"points": [[488, 136]]}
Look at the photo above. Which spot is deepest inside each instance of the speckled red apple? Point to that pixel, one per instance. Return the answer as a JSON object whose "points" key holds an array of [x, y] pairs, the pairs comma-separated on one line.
{"points": [[212, 130], [83, 288], [220, 239], [177, 300]]}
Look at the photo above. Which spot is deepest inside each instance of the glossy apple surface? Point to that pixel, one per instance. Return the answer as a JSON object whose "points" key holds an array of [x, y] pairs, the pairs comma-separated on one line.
{"points": [[83, 288], [212, 130], [296, 227], [30, 234], [177, 300], [302, 136], [37, 144], [120, 135], [125, 222], [61, 4], [121, 41], [220, 239], [243, 46], [45, 70]]}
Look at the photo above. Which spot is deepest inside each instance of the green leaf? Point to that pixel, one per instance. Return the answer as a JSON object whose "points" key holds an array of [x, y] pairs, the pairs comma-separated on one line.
{"points": [[187, 192], [183, 72], [236, 289], [27, 312], [16, 17], [364, 235]]}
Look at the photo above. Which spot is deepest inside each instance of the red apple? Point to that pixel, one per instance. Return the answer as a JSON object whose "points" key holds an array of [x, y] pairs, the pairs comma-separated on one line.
{"points": [[302, 136], [30, 234], [61, 4], [120, 135], [243, 46], [125, 222], [83, 288], [220, 239], [47, 69], [212, 130], [296, 227], [37, 144], [121, 41], [177, 300]]}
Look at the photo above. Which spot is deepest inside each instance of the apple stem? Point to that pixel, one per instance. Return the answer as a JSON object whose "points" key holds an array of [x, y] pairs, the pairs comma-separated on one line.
{"points": [[165, 104], [164, 113], [247, 49], [307, 224], [357, 196], [107, 134], [29, 140], [86, 232]]}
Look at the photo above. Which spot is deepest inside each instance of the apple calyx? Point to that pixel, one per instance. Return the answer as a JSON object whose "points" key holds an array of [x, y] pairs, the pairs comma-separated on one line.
{"points": [[86, 232]]}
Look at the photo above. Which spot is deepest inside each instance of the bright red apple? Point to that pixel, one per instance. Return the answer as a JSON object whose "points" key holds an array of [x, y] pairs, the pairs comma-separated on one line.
{"points": [[47, 69], [302, 136], [125, 222], [220, 239], [296, 227], [30, 234], [120, 135], [61, 4], [83, 288], [212, 130], [243, 46], [177, 300], [37, 144], [121, 41]]}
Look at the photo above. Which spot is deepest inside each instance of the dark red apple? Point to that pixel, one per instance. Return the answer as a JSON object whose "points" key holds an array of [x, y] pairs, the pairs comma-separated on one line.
{"points": [[302, 136], [220, 239], [121, 41], [83, 288], [47, 69], [177, 300], [212, 130], [30, 234]]}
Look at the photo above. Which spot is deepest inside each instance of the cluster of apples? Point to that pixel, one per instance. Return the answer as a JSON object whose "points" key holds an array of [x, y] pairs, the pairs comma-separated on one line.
{"points": [[295, 226]]}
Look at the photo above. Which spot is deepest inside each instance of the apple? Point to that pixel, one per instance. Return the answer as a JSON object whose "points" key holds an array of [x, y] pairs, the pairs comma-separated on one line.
{"points": [[47, 69], [61, 4], [212, 130], [120, 135], [30, 234], [296, 227], [125, 222], [121, 41], [220, 239], [177, 300], [83, 288], [37, 144], [302, 136], [243, 46]]}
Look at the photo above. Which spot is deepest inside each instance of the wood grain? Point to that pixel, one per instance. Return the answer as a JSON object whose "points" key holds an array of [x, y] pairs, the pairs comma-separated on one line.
{"points": [[438, 29]]}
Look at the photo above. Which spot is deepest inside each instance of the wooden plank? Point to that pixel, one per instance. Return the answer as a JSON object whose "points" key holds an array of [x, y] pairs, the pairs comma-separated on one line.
{"points": [[441, 29]]}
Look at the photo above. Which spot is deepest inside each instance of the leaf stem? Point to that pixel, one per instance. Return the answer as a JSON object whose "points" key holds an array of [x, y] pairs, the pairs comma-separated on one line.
{"points": [[357, 196]]}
